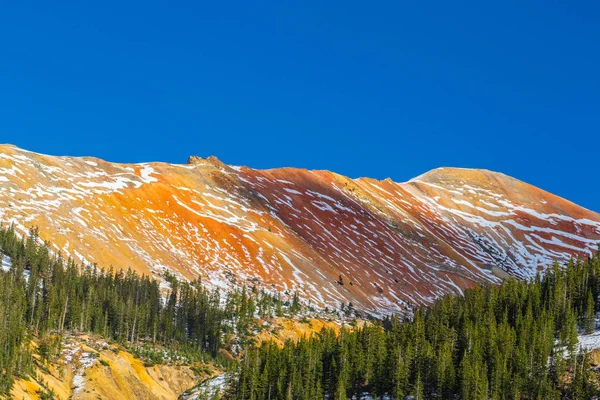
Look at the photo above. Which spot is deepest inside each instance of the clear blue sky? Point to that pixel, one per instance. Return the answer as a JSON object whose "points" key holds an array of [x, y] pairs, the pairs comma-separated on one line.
{"points": [[361, 88]]}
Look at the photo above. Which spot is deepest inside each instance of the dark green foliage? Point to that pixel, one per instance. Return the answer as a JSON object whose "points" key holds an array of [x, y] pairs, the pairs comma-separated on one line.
{"points": [[499, 342], [514, 341], [15, 358], [124, 306], [42, 296], [46, 394]]}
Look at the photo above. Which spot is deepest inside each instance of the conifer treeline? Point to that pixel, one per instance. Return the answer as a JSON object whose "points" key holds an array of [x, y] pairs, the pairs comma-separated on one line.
{"points": [[514, 341], [43, 295]]}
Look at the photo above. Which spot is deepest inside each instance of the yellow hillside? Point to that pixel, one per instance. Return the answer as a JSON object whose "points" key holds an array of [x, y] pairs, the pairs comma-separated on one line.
{"points": [[90, 368]]}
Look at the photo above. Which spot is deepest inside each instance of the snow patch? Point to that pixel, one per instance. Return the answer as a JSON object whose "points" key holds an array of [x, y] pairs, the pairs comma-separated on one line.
{"points": [[6, 263], [146, 172]]}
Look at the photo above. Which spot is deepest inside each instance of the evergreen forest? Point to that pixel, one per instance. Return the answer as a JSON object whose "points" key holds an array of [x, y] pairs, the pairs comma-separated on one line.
{"points": [[513, 341], [517, 340]]}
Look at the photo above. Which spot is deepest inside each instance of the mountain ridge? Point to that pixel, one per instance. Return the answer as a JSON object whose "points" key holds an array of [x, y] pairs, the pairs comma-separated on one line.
{"points": [[379, 245], [214, 159]]}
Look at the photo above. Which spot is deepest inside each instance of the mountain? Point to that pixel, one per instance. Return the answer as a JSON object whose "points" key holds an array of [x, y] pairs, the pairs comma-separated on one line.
{"points": [[380, 245]]}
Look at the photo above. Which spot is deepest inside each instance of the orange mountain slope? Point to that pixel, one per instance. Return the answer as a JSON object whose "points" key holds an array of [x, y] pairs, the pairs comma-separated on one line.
{"points": [[392, 244]]}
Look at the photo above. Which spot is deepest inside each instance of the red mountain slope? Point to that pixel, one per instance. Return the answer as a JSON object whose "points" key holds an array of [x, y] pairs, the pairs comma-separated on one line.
{"points": [[291, 229]]}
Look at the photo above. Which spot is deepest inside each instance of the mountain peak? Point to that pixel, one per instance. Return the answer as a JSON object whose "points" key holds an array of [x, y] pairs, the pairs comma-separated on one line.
{"points": [[456, 175]]}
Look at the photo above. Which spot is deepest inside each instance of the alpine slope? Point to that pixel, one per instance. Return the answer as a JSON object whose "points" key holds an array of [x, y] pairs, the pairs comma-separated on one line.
{"points": [[375, 245]]}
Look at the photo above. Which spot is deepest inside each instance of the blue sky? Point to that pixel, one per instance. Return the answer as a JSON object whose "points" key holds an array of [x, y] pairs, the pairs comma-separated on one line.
{"points": [[379, 89]]}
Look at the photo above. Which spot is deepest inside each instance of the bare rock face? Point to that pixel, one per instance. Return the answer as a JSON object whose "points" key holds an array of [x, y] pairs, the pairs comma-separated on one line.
{"points": [[594, 357], [193, 160], [210, 160], [394, 244]]}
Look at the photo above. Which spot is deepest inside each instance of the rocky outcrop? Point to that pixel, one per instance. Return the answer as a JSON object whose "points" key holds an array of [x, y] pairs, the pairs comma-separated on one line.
{"points": [[195, 160]]}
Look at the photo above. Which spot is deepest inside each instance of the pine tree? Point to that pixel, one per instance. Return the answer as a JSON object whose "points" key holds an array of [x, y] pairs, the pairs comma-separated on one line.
{"points": [[590, 314]]}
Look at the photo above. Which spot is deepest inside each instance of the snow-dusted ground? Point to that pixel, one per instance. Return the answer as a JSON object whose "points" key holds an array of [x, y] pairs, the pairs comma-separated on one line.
{"points": [[6, 263], [586, 343], [217, 383], [590, 342], [80, 361], [209, 387]]}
